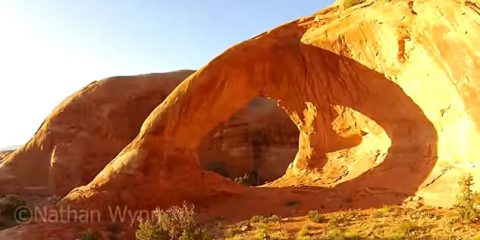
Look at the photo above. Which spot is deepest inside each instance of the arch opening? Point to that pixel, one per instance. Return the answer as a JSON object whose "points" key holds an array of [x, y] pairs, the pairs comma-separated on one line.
{"points": [[255, 145]]}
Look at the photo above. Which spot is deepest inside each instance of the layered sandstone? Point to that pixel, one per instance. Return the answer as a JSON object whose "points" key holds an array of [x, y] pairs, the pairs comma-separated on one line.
{"points": [[384, 95]]}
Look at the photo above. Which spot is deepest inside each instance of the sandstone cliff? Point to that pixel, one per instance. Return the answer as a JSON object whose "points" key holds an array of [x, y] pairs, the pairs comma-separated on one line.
{"points": [[384, 95]]}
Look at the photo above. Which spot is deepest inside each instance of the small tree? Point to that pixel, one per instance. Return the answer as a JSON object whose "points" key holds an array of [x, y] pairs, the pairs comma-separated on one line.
{"points": [[9, 204], [468, 203]]}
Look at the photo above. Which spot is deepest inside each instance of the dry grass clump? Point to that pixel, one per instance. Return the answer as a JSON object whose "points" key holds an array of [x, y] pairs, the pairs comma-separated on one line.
{"points": [[178, 222]]}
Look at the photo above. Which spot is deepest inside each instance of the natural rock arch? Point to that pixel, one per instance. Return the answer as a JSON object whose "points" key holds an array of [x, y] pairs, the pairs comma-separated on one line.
{"points": [[89, 128], [160, 166]]}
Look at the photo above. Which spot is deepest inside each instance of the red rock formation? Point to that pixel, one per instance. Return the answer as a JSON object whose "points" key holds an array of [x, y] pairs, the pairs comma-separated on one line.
{"points": [[397, 81], [87, 130], [4, 154], [84, 133]]}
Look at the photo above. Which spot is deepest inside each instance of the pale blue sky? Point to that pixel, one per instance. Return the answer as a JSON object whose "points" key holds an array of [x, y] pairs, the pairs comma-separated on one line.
{"points": [[51, 48]]}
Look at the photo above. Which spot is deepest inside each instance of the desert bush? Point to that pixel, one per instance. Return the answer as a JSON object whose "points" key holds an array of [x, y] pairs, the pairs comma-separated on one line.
{"points": [[468, 202], [351, 3], [249, 179], [178, 222], [388, 209], [304, 232], [264, 219], [316, 217], [403, 230], [232, 232], [338, 234], [262, 233], [114, 230], [89, 235], [9, 203]]}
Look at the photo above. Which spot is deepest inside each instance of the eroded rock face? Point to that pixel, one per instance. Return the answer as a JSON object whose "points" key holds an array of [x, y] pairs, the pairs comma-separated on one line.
{"points": [[87, 130], [84, 133], [383, 93], [3, 154]]}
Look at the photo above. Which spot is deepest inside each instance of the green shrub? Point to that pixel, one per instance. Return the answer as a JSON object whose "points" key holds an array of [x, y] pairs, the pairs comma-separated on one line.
{"points": [[338, 234], [316, 217], [304, 232], [9, 203], [351, 3], [178, 222], [249, 179], [89, 235], [403, 231], [114, 230], [468, 203], [264, 219]]}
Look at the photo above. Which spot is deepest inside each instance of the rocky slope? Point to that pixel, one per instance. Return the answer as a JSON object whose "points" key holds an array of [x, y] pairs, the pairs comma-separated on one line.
{"points": [[383, 93]]}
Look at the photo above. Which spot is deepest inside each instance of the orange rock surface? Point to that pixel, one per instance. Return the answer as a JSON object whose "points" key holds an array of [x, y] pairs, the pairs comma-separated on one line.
{"points": [[384, 94], [84, 133], [4, 154], [87, 130]]}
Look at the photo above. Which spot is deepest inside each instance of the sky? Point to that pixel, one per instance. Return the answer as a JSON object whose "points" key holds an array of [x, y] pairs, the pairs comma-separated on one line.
{"points": [[52, 48]]}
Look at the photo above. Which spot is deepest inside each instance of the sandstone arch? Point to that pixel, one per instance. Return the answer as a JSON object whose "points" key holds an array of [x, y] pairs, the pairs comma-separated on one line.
{"points": [[415, 78], [308, 65], [90, 127]]}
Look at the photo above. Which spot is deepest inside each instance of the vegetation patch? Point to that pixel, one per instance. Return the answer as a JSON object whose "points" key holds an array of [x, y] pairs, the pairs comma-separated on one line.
{"points": [[89, 235], [316, 217], [178, 222], [249, 179], [468, 203]]}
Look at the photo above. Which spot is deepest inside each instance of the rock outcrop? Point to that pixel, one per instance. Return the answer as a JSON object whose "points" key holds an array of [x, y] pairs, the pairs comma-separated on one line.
{"points": [[84, 133], [384, 95], [4, 154], [89, 128]]}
